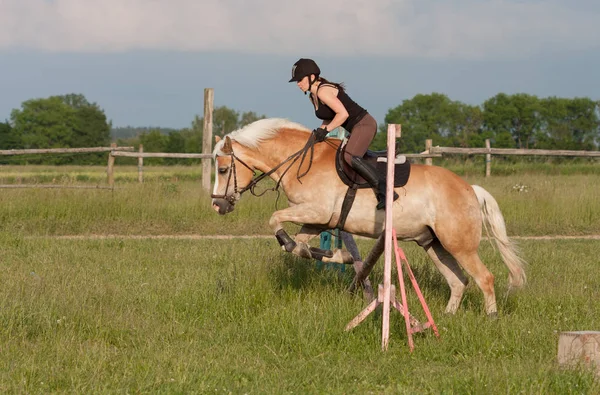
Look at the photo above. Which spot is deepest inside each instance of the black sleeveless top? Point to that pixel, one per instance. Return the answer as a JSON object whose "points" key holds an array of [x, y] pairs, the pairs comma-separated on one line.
{"points": [[355, 112]]}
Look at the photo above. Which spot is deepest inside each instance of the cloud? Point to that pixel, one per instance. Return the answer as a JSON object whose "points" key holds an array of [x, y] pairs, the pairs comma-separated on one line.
{"points": [[464, 29]]}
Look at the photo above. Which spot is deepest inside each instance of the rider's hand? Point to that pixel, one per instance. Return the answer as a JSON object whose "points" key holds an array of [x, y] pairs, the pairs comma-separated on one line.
{"points": [[320, 134]]}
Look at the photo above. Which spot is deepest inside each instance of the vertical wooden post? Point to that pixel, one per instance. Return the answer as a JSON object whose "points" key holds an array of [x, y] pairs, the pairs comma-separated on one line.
{"points": [[207, 135], [488, 159], [141, 165], [394, 131], [111, 166], [428, 143]]}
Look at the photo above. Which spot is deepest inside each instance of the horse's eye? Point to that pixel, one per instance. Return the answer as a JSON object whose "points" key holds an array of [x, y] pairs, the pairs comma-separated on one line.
{"points": [[223, 170]]}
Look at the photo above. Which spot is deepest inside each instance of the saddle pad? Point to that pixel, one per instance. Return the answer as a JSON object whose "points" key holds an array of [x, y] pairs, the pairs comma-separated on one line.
{"points": [[350, 177]]}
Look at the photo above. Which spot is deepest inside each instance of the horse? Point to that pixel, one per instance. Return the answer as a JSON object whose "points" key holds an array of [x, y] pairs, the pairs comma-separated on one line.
{"points": [[436, 208]]}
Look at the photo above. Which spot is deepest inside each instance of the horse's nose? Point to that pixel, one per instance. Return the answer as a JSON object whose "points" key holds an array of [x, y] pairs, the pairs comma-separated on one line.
{"points": [[222, 206]]}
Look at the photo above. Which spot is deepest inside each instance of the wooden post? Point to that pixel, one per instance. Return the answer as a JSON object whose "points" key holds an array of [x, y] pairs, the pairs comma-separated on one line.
{"points": [[207, 135], [394, 131], [428, 161], [141, 165], [488, 159], [386, 292], [579, 348], [111, 167]]}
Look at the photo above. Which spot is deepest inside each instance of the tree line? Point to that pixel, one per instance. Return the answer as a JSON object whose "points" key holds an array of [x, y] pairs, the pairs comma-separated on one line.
{"points": [[509, 121]]}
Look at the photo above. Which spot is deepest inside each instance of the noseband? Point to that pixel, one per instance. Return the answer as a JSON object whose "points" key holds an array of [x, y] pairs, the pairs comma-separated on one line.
{"points": [[236, 191]]}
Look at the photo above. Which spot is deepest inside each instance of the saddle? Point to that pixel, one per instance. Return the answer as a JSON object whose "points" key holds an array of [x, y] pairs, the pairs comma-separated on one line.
{"points": [[355, 181], [376, 158]]}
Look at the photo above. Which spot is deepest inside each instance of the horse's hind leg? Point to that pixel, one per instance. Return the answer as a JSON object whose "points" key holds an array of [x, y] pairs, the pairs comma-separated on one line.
{"points": [[450, 269], [472, 264]]}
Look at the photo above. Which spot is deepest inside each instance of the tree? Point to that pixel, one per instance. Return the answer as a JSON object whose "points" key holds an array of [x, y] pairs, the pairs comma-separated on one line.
{"points": [[8, 140], [517, 114], [249, 117], [154, 141], [75, 101], [468, 127], [175, 142], [45, 123], [432, 116], [582, 114], [92, 129], [225, 120]]}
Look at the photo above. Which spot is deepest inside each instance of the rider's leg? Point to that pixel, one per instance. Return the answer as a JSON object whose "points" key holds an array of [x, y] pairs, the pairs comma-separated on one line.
{"points": [[360, 138], [368, 172]]}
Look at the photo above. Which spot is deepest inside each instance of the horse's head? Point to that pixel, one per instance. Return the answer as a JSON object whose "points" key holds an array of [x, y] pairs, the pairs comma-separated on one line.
{"points": [[243, 151], [233, 175]]}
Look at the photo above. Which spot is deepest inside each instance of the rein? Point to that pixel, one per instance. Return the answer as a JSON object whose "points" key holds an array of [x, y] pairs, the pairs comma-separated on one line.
{"points": [[300, 154]]}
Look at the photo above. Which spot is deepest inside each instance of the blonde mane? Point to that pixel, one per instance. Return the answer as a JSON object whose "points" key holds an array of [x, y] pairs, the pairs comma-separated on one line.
{"points": [[254, 133]]}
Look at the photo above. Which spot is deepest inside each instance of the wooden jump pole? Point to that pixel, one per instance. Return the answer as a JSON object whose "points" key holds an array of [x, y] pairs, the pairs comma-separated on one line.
{"points": [[387, 291]]}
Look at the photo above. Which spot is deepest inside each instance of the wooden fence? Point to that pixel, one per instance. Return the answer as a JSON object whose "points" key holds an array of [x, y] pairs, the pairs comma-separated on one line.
{"points": [[114, 151], [206, 155], [488, 152], [206, 158], [111, 150]]}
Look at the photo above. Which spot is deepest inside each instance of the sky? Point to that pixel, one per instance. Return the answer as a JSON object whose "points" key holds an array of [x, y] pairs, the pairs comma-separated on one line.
{"points": [[147, 62]]}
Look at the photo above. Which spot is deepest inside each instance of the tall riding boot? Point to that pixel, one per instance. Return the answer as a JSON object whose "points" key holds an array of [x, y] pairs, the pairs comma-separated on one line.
{"points": [[368, 172]]}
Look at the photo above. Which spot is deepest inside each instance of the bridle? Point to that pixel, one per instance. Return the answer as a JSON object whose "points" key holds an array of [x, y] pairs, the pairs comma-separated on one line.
{"points": [[237, 191]]}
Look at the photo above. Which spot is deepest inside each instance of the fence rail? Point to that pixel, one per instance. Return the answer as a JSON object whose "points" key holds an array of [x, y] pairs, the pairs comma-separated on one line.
{"points": [[161, 155], [510, 151], [63, 150], [488, 152], [45, 186]]}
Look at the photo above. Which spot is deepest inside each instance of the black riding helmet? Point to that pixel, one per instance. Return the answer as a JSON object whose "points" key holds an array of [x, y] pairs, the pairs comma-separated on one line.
{"points": [[305, 67]]}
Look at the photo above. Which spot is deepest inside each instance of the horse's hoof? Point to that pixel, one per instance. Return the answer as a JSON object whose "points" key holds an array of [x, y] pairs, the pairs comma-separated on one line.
{"points": [[340, 256], [493, 316], [368, 293], [302, 250], [352, 288]]}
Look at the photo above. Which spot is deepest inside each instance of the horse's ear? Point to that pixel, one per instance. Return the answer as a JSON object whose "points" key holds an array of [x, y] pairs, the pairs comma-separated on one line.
{"points": [[217, 139], [227, 149]]}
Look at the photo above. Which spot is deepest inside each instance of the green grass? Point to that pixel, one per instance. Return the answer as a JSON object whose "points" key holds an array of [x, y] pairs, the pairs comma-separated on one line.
{"points": [[69, 175], [531, 205], [240, 316]]}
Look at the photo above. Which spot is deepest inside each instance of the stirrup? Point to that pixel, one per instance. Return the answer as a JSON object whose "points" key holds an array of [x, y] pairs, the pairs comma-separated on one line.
{"points": [[381, 200]]}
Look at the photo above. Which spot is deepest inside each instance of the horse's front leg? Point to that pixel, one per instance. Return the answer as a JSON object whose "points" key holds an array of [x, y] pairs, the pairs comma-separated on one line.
{"points": [[307, 216]]}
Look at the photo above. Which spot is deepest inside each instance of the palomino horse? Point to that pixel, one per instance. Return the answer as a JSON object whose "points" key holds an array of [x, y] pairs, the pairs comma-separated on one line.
{"points": [[437, 209]]}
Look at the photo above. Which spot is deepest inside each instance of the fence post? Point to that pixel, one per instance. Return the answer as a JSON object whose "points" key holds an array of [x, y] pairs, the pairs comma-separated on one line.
{"points": [[111, 166], [207, 135], [488, 159], [141, 165], [428, 143]]}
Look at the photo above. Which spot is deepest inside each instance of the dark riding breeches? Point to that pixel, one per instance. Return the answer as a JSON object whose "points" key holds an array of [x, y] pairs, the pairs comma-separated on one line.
{"points": [[360, 138]]}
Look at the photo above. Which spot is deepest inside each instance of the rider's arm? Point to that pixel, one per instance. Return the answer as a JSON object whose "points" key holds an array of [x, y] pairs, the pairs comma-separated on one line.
{"points": [[328, 95]]}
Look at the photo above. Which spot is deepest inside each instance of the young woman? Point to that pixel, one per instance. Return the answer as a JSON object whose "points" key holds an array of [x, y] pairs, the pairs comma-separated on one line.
{"points": [[335, 108]]}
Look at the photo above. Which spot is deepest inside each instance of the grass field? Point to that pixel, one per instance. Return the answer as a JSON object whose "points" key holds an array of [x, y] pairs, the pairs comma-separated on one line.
{"points": [[240, 316]]}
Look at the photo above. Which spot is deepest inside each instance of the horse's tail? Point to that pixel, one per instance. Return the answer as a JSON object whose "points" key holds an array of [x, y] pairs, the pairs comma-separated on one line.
{"points": [[493, 216]]}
